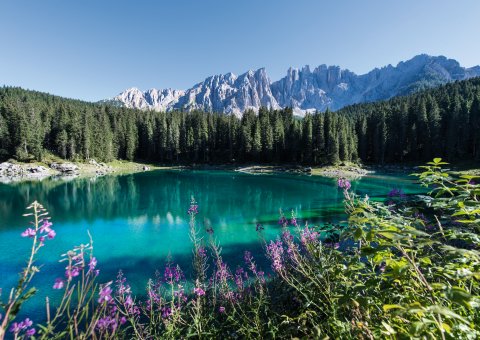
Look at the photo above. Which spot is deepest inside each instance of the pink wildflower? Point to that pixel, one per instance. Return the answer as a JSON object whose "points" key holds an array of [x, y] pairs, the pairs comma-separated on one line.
{"points": [[58, 284], [29, 232], [199, 291]]}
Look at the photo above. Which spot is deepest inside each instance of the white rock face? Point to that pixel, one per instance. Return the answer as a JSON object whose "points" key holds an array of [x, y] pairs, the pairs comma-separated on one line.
{"points": [[301, 89], [159, 100]]}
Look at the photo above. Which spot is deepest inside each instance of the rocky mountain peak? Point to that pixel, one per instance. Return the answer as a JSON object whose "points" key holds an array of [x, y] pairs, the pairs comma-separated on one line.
{"points": [[302, 89]]}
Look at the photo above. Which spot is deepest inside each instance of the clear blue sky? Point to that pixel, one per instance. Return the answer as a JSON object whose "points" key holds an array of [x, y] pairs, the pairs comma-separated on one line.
{"points": [[94, 49]]}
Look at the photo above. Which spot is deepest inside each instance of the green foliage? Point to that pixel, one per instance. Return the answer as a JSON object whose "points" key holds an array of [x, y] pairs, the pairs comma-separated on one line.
{"points": [[33, 124], [423, 258], [443, 121]]}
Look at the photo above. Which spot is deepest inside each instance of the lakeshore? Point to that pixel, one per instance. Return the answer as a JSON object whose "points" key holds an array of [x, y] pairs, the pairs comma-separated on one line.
{"points": [[13, 171]]}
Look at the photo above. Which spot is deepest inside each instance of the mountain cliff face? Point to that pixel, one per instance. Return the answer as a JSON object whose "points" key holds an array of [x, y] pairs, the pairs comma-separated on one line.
{"points": [[302, 89]]}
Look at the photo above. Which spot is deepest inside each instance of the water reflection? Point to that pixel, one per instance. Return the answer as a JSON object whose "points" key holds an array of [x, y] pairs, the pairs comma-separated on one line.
{"points": [[157, 194]]}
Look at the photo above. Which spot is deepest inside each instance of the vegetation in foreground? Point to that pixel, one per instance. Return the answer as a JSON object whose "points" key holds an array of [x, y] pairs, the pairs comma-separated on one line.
{"points": [[404, 268]]}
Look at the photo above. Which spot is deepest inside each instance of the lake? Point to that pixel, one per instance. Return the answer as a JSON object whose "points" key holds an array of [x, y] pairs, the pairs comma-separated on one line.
{"points": [[139, 220]]}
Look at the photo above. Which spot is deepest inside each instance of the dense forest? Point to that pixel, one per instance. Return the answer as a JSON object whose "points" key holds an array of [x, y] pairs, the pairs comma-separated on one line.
{"points": [[441, 122]]}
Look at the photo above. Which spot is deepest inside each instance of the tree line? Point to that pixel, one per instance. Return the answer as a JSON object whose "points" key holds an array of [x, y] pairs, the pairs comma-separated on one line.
{"points": [[443, 122]]}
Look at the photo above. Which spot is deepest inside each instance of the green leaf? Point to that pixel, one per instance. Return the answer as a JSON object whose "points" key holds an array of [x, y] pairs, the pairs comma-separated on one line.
{"points": [[390, 236], [358, 233], [447, 328], [460, 296], [16, 306], [447, 313], [426, 260], [386, 308], [389, 328]]}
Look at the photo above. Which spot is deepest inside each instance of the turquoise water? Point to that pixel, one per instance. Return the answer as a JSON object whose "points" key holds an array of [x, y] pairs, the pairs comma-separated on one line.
{"points": [[138, 220]]}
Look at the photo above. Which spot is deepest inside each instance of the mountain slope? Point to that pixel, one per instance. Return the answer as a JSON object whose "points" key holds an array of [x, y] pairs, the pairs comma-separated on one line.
{"points": [[302, 89]]}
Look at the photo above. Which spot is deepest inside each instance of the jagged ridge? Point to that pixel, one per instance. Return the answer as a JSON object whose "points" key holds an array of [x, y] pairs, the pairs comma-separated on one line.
{"points": [[302, 89]]}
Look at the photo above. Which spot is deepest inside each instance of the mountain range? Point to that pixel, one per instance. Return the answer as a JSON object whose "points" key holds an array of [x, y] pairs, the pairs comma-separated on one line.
{"points": [[301, 89]]}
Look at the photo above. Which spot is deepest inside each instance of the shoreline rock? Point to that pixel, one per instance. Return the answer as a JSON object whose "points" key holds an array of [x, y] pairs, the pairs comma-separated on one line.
{"points": [[346, 171], [12, 172], [65, 168], [272, 169]]}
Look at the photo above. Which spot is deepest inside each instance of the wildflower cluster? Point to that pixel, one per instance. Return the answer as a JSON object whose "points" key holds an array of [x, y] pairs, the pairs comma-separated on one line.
{"points": [[43, 232], [23, 327], [344, 183]]}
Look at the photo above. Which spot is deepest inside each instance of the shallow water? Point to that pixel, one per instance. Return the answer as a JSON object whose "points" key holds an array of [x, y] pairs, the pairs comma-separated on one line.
{"points": [[138, 220]]}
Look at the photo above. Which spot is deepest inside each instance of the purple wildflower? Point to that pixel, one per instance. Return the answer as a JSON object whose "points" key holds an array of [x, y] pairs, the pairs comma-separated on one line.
{"points": [[79, 260], [287, 237], [221, 309], [261, 276], [222, 273], [129, 301], [29, 232], [166, 312], [396, 193], [180, 295], [334, 245], [275, 252], [239, 274], [92, 264], [45, 227], [105, 293], [202, 252], [16, 327], [344, 183], [30, 332], [193, 210], [123, 320], [122, 287], [282, 221], [293, 221], [58, 284], [247, 256], [230, 296], [308, 236], [172, 274], [199, 291], [51, 234], [106, 323], [153, 296], [249, 262], [72, 272]]}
